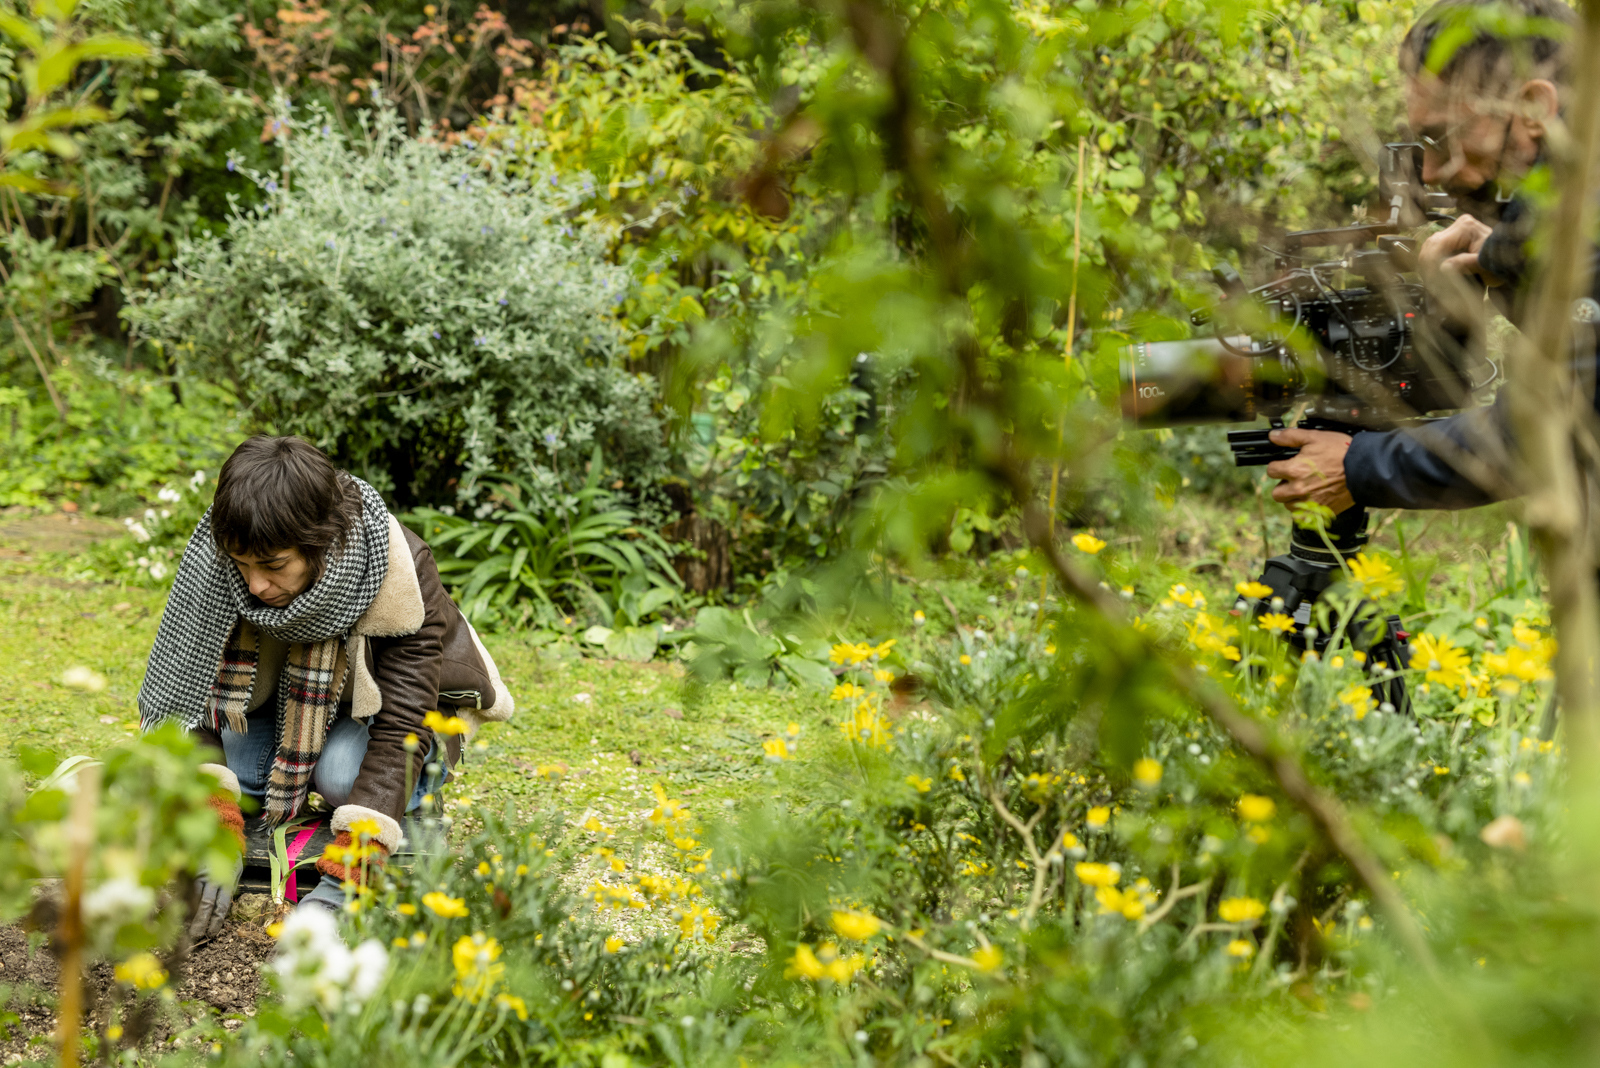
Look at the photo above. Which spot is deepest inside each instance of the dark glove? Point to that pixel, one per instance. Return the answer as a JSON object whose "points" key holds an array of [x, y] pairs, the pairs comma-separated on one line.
{"points": [[213, 902]]}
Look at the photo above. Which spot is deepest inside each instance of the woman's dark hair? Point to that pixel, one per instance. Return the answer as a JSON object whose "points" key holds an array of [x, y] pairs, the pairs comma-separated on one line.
{"points": [[283, 493]]}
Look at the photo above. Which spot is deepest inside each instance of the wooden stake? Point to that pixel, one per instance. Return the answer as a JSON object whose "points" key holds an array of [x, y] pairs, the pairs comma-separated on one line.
{"points": [[80, 836]]}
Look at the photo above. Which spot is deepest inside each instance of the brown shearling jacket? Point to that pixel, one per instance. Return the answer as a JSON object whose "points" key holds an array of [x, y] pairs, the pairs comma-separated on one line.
{"points": [[418, 654]]}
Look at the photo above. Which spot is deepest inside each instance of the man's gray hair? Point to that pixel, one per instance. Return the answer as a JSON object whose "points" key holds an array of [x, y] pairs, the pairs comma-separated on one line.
{"points": [[1491, 46]]}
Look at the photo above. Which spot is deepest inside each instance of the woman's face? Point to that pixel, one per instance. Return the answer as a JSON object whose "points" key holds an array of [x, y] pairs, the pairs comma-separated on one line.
{"points": [[275, 578]]}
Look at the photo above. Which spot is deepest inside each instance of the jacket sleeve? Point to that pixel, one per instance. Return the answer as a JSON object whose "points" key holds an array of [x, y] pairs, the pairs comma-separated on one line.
{"points": [[1458, 462], [406, 670]]}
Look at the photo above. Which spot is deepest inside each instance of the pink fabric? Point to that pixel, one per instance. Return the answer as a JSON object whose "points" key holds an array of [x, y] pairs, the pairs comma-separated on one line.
{"points": [[299, 843]]}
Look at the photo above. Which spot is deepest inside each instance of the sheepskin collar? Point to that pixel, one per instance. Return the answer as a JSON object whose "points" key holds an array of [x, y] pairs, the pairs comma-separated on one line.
{"points": [[397, 610]]}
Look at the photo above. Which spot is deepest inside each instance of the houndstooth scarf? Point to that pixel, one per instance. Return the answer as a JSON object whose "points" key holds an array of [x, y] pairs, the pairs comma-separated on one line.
{"points": [[203, 665]]}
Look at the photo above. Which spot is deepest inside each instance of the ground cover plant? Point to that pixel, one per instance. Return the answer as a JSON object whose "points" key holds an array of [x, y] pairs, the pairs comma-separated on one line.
{"points": [[982, 755]]}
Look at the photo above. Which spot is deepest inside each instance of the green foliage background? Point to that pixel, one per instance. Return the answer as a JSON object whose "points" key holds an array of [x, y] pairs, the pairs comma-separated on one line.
{"points": [[842, 239]]}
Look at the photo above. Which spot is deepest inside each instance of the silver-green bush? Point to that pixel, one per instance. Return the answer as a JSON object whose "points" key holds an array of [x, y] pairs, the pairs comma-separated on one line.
{"points": [[416, 312]]}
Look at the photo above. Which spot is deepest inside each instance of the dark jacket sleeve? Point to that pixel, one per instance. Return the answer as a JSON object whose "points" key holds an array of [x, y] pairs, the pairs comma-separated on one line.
{"points": [[406, 670], [1458, 462]]}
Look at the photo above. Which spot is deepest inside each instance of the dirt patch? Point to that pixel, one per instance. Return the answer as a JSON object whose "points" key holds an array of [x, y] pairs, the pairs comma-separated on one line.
{"points": [[221, 979], [56, 533]]}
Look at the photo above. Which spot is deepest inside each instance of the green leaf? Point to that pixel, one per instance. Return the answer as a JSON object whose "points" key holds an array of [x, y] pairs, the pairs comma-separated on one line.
{"points": [[37, 760], [21, 30], [807, 672], [637, 644]]}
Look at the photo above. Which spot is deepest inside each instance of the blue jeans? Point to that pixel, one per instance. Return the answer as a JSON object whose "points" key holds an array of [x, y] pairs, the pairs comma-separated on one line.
{"points": [[250, 755]]}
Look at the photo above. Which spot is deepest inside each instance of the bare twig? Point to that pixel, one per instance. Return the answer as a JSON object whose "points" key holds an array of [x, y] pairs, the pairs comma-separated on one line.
{"points": [[1175, 895], [38, 361]]}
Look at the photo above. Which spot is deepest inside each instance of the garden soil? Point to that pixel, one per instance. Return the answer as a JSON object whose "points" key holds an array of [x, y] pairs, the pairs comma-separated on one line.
{"points": [[222, 979]]}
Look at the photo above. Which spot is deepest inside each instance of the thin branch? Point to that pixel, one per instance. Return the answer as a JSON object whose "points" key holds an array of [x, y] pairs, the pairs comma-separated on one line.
{"points": [[38, 361]]}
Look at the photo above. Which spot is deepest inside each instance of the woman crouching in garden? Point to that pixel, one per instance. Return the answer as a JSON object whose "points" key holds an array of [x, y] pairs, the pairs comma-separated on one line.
{"points": [[306, 638]]}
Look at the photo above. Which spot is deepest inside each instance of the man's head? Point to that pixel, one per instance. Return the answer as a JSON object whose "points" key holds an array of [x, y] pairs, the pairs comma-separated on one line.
{"points": [[1484, 79], [281, 507]]}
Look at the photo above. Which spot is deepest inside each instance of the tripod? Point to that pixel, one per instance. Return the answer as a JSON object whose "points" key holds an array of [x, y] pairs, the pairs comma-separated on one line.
{"points": [[1299, 577]]}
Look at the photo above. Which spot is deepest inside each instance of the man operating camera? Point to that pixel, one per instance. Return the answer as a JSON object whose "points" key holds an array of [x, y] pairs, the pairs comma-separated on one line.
{"points": [[1483, 109]]}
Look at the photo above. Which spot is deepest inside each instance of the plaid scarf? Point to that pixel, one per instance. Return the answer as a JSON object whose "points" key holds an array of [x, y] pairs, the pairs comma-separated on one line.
{"points": [[203, 665]]}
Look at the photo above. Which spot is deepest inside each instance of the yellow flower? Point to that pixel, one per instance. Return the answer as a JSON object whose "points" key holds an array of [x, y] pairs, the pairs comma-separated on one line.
{"points": [[858, 926], [823, 964], [882, 675], [1254, 808], [917, 618], [776, 749], [1375, 576], [867, 727], [1441, 661], [513, 1003], [1275, 623], [1037, 786], [365, 829], [1240, 948], [1088, 543], [1254, 590], [411, 743], [1185, 596], [922, 785], [1125, 903], [1147, 773], [1208, 636], [475, 957], [406, 908], [1240, 910], [989, 958], [965, 659], [141, 971], [1358, 699], [444, 905], [846, 691], [614, 944], [1092, 874], [443, 725], [1098, 817], [1438, 770]]}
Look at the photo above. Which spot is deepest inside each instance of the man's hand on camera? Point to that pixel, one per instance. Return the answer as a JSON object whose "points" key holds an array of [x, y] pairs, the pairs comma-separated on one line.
{"points": [[1317, 474], [1454, 251]]}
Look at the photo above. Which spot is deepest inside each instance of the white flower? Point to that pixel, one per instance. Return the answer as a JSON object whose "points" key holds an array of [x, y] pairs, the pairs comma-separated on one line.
{"points": [[79, 677], [138, 531], [158, 570], [369, 962], [197, 479], [315, 967], [170, 495], [149, 515], [118, 901]]}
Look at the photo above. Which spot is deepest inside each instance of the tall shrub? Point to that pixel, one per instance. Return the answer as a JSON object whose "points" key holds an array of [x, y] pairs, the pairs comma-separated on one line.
{"points": [[418, 313]]}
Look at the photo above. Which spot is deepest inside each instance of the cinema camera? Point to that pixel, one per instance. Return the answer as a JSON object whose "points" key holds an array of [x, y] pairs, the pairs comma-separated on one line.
{"points": [[1370, 357]]}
